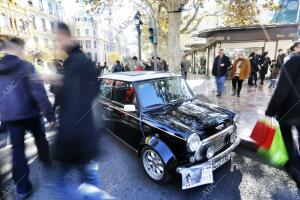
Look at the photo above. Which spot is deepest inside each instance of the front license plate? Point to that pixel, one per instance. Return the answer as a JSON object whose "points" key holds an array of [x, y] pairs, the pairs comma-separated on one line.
{"points": [[196, 176], [221, 162]]}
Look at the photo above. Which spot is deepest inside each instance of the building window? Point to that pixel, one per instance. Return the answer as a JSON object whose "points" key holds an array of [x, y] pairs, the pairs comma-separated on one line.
{"points": [[44, 24], [88, 44], [52, 27], [36, 41], [33, 22], [78, 32], [50, 8], [46, 41], [80, 43], [95, 44], [87, 32], [41, 5], [94, 32]]}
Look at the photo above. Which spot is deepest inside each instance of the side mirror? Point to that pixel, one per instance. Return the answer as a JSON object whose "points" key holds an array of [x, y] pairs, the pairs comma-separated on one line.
{"points": [[129, 108]]}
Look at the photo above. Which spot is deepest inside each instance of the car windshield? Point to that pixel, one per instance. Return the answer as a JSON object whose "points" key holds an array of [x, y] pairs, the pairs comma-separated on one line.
{"points": [[163, 92]]}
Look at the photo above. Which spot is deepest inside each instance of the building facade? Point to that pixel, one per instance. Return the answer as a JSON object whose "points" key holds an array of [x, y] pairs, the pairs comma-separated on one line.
{"points": [[93, 40], [32, 20]]}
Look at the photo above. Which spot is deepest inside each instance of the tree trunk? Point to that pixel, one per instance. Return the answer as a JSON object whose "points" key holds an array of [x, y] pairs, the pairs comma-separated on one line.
{"points": [[174, 56]]}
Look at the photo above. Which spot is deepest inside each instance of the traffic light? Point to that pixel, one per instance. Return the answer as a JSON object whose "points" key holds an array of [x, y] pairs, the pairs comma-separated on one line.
{"points": [[153, 32]]}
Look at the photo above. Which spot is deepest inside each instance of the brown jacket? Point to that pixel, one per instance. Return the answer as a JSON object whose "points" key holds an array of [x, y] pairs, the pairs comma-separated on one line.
{"points": [[245, 69]]}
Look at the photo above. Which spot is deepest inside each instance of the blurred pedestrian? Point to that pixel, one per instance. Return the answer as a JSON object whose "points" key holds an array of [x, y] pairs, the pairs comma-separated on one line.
{"points": [[56, 88], [220, 68], [274, 74], [280, 58], [185, 66], [134, 64], [118, 67], [21, 102], [76, 144], [284, 105], [264, 66], [254, 69], [165, 65], [291, 54], [240, 71]]}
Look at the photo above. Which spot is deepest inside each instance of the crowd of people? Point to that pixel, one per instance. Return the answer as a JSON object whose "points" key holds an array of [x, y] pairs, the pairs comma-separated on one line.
{"points": [[133, 65], [285, 102], [253, 67]]}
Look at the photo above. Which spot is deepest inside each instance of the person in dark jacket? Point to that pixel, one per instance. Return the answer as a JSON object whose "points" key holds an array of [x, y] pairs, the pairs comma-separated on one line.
{"points": [[118, 67], [76, 145], [220, 68], [265, 61], [22, 100], [254, 69], [280, 58], [274, 74], [285, 106]]}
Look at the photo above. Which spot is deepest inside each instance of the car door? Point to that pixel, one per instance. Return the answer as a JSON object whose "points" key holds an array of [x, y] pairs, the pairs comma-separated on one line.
{"points": [[125, 124], [104, 104]]}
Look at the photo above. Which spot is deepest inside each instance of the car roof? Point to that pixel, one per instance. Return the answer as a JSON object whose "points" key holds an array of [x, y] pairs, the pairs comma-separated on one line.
{"points": [[138, 75]]}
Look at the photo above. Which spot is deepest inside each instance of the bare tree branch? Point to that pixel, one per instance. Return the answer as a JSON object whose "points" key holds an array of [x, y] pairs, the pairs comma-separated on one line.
{"points": [[191, 20]]}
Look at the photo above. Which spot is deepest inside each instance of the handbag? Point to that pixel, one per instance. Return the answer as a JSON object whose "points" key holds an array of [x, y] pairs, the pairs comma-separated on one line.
{"points": [[277, 154], [263, 133]]}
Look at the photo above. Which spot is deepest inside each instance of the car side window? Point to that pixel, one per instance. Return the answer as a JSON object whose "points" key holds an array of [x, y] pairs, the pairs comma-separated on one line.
{"points": [[123, 93], [106, 87]]}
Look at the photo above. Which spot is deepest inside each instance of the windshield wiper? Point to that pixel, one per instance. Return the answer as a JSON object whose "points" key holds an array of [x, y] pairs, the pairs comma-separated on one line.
{"points": [[155, 105]]}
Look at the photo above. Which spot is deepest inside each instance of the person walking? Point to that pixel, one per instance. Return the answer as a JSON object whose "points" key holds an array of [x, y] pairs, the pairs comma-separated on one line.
{"points": [[76, 144], [118, 67], [134, 64], [284, 105], [185, 66], [240, 71], [274, 74], [254, 69], [264, 66], [280, 58], [220, 68], [21, 102], [54, 88]]}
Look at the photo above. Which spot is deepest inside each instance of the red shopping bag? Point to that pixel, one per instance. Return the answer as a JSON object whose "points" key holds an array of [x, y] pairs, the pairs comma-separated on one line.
{"points": [[263, 134]]}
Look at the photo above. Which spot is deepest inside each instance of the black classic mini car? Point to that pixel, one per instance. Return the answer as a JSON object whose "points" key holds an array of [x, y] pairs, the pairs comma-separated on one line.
{"points": [[158, 116]]}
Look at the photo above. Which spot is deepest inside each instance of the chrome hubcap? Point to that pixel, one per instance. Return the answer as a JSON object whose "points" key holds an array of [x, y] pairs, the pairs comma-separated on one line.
{"points": [[153, 165]]}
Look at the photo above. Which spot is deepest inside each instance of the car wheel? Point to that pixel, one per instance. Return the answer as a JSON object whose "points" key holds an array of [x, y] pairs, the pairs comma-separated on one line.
{"points": [[154, 166]]}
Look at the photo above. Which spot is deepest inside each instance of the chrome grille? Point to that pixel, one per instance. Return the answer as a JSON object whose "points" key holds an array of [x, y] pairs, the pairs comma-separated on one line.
{"points": [[219, 141]]}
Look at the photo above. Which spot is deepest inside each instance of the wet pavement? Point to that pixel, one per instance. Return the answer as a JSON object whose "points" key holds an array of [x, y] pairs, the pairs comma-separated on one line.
{"points": [[251, 105]]}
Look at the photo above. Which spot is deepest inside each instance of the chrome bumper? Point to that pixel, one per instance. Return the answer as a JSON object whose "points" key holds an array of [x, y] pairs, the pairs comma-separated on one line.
{"points": [[215, 158]]}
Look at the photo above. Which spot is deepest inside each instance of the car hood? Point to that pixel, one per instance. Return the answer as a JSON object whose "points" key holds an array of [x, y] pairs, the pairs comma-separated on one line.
{"points": [[190, 117]]}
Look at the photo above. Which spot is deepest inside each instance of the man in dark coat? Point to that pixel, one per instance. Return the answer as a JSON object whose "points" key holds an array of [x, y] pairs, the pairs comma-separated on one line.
{"points": [[285, 106], [118, 67], [76, 145], [280, 58], [220, 68], [22, 100], [254, 69], [264, 62]]}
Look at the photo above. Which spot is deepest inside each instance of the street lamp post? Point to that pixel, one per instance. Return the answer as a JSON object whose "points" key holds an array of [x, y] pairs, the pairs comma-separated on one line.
{"points": [[138, 22]]}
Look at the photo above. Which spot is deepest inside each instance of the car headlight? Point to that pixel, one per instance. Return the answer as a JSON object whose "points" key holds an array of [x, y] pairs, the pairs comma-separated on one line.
{"points": [[194, 142], [233, 137], [210, 152], [236, 119]]}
